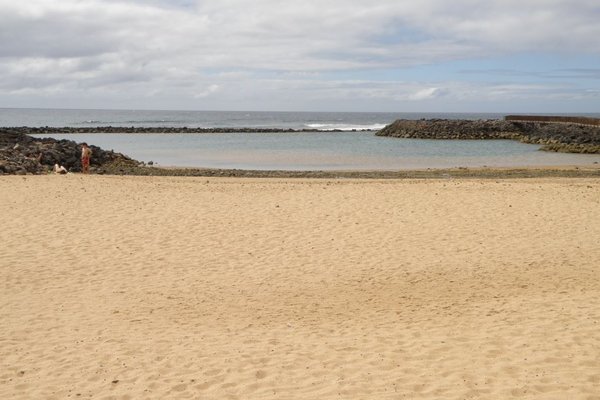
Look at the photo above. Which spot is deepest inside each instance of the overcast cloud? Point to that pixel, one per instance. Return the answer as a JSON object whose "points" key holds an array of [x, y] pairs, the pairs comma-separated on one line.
{"points": [[353, 55]]}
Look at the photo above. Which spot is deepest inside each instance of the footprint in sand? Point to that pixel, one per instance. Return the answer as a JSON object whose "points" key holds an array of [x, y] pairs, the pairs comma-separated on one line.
{"points": [[261, 374]]}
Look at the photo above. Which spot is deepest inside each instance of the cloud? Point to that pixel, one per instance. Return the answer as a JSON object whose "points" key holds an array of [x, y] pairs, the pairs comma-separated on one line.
{"points": [[297, 35], [428, 93], [229, 48], [207, 92]]}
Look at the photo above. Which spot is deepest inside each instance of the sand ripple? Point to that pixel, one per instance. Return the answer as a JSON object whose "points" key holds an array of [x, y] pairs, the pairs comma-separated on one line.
{"points": [[133, 287]]}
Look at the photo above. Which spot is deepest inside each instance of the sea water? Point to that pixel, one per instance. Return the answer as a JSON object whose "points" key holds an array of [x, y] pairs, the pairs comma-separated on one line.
{"points": [[353, 146], [216, 119]]}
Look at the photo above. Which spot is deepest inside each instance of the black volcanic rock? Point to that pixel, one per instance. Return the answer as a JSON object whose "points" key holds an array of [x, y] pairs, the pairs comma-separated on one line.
{"points": [[23, 154], [563, 137]]}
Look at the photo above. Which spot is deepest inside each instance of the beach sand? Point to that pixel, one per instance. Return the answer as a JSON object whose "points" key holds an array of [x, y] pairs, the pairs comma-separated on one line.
{"points": [[206, 288]]}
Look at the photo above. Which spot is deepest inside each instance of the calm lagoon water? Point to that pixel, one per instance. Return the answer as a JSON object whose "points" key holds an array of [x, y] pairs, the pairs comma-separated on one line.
{"points": [[301, 151], [322, 150]]}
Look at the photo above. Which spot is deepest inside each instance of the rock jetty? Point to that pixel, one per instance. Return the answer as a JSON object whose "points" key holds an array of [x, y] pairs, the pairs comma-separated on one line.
{"points": [[152, 129], [559, 137], [21, 154]]}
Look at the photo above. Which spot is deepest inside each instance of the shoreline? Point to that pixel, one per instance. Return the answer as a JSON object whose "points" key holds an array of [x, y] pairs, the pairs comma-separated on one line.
{"points": [[591, 171]]}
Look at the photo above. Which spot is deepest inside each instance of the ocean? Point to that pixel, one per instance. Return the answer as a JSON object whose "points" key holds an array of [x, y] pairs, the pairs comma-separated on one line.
{"points": [[352, 146], [216, 119]]}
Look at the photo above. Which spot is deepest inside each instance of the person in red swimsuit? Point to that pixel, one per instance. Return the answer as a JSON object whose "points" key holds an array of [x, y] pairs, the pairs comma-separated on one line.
{"points": [[86, 155]]}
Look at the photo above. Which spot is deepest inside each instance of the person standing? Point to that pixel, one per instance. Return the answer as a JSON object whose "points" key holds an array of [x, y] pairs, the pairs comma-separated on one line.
{"points": [[86, 155]]}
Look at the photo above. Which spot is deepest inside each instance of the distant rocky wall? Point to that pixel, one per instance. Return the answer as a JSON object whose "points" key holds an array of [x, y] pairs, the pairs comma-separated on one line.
{"points": [[568, 138], [554, 119], [142, 129]]}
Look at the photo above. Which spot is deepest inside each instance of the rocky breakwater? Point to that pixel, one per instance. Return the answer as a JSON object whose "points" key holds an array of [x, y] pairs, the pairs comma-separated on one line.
{"points": [[566, 138], [152, 129], [22, 154]]}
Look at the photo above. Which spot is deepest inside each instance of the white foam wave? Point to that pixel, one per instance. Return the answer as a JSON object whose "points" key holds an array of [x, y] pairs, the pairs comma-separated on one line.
{"points": [[346, 127]]}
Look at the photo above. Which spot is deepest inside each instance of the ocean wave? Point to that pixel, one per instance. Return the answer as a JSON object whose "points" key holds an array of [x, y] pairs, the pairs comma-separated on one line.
{"points": [[346, 127], [150, 121]]}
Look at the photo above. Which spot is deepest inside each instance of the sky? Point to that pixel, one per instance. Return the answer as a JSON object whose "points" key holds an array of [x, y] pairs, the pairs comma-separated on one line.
{"points": [[507, 56]]}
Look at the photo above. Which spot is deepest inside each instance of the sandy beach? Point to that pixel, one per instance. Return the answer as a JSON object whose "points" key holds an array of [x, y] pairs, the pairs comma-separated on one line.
{"points": [[227, 288]]}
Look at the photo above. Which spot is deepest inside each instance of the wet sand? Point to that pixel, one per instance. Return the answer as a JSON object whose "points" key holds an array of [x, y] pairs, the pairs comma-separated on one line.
{"points": [[226, 288]]}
